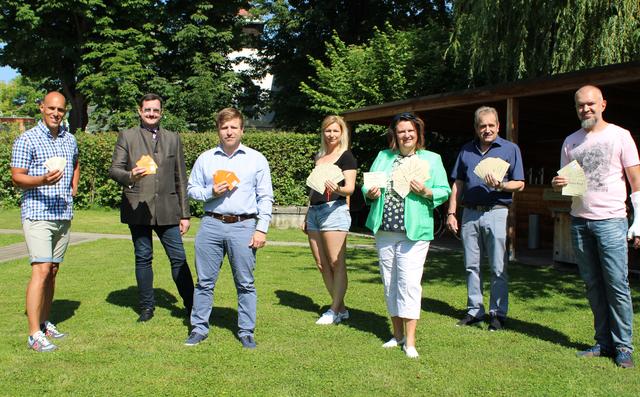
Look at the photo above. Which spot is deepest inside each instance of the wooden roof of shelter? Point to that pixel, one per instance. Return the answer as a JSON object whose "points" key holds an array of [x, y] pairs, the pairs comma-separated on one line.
{"points": [[540, 106]]}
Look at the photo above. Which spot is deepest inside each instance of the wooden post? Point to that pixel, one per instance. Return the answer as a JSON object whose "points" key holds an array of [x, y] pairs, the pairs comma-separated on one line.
{"points": [[512, 135]]}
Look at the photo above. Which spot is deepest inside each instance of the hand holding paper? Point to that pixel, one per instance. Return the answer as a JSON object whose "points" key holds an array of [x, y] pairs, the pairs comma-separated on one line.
{"points": [[55, 163], [413, 168], [491, 166], [322, 173], [577, 181], [229, 177], [147, 162]]}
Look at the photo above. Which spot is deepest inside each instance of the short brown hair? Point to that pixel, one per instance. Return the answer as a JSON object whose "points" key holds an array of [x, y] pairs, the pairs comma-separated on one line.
{"points": [[418, 124], [227, 114], [150, 97]]}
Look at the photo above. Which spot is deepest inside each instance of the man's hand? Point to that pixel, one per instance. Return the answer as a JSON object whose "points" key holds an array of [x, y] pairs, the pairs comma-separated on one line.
{"points": [[52, 177], [137, 174], [558, 182], [452, 224], [373, 193], [184, 226], [492, 182], [258, 240], [220, 188]]}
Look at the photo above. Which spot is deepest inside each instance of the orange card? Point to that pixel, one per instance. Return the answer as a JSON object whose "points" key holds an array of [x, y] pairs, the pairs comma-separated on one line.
{"points": [[147, 162], [226, 176]]}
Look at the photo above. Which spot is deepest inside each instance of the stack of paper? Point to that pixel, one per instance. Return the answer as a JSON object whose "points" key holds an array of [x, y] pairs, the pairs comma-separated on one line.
{"points": [[147, 162], [375, 179], [577, 180], [55, 163], [492, 166], [323, 173], [412, 168], [226, 176]]}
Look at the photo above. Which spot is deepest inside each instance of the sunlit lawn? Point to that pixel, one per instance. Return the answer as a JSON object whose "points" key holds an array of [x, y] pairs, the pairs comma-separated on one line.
{"points": [[108, 353]]}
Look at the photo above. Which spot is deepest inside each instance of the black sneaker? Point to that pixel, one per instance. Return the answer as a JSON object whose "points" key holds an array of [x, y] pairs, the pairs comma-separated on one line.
{"points": [[468, 320], [623, 358], [145, 315], [496, 323]]}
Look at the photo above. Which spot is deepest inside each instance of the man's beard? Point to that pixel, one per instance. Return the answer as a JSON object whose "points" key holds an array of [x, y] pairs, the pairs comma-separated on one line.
{"points": [[588, 124]]}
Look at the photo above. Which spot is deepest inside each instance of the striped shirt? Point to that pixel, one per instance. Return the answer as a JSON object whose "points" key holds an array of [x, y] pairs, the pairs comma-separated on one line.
{"points": [[30, 151]]}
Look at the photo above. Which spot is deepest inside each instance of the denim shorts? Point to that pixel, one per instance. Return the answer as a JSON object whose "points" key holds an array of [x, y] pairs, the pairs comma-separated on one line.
{"points": [[330, 216]]}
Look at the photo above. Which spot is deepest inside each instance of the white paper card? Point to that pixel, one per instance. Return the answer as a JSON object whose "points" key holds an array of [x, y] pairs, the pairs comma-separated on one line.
{"points": [[322, 173], [375, 179], [577, 180], [55, 163]]}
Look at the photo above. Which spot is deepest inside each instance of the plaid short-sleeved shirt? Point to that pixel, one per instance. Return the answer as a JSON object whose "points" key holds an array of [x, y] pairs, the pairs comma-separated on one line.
{"points": [[30, 151]]}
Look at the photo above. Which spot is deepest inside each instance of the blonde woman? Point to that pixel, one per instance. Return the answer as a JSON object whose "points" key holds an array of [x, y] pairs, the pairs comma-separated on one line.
{"points": [[328, 220]]}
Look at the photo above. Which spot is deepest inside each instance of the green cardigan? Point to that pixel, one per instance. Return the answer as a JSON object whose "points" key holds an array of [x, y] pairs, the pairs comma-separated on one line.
{"points": [[418, 211]]}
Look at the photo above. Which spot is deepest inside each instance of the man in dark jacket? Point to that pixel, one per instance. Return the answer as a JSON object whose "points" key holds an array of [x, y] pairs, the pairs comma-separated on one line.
{"points": [[148, 161]]}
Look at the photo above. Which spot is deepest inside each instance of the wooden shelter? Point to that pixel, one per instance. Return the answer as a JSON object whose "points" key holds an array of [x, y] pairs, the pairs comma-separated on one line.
{"points": [[537, 114]]}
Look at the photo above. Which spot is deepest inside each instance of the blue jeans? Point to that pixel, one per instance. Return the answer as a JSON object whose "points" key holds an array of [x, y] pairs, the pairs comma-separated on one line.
{"points": [[172, 242], [486, 233], [214, 240], [601, 250]]}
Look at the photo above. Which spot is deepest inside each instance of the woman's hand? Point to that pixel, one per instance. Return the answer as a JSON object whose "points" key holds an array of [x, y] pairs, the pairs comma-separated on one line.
{"points": [[331, 187], [373, 193], [420, 189]]}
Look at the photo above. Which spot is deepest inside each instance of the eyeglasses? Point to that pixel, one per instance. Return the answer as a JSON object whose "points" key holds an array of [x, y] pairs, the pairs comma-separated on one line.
{"points": [[152, 110]]}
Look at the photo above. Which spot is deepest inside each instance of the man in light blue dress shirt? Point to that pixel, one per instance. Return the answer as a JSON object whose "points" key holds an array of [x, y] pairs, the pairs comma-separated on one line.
{"points": [[236, 221]]}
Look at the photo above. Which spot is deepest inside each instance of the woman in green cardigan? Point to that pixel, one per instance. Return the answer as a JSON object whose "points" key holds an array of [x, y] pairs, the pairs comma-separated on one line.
{"points": [[401, 217]]}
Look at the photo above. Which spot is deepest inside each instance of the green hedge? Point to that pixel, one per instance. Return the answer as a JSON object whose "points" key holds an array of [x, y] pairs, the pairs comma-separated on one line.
{"points": [[290, 158]]}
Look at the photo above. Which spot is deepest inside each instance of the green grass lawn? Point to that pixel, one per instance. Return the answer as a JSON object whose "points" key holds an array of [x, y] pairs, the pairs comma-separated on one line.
{"points": [[8, 239], [107, 352], [108, 221]]}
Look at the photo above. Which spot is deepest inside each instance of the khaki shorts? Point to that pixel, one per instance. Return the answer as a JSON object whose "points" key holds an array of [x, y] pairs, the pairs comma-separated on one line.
{"points": [[47, 241]]}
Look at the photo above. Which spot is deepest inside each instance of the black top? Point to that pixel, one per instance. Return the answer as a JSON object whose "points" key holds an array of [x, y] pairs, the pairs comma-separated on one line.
{"points": [[346, 161]]}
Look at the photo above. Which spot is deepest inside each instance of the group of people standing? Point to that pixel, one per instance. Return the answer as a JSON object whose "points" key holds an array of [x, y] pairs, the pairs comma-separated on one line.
{"points": [[237, 216]]}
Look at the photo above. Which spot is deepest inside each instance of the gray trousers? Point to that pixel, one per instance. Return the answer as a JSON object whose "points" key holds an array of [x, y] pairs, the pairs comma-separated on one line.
{"points": [[485, 233]]}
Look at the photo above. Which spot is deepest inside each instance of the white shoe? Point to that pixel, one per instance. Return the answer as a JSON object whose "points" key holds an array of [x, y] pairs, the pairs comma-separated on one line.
{"points": [[410, 351], [393, 342], [344, 315], [328, 317]]}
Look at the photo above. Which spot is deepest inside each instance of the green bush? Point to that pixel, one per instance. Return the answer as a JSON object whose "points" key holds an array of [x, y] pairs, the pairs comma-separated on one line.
{"points": [[290, 157]]}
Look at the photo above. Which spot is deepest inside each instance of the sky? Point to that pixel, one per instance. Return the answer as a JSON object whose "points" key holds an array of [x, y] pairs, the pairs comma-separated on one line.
{"points": [[6, 73]]}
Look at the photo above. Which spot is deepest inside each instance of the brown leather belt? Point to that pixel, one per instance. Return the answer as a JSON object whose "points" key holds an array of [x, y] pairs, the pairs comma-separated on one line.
{"points": [[484, 208], [230, 218]]}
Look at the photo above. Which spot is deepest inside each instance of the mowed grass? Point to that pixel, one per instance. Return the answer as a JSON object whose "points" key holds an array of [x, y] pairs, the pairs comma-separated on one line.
{"points": [[108, 221], [107, 352], [8, 239]]}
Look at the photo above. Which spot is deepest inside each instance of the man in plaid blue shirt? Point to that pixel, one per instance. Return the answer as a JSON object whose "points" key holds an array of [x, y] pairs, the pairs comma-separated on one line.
{"points": [[44, 164]]}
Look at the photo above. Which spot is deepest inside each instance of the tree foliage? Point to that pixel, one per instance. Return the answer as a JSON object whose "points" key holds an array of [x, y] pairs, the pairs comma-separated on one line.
{"points": [[108, 54], [20, 97], [392, 65], [298, 29], [498, 41]]}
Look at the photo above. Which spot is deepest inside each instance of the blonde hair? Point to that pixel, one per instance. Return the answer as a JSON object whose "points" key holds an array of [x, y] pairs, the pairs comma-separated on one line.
{"points": [[227, 114], [344, 136]]}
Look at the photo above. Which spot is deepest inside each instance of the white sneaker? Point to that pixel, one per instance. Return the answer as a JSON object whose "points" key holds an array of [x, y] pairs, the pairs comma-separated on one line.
{"points": [[328, 317], [344, 315], [410, 351], [393, 342], [51, 331], [40, 343]]}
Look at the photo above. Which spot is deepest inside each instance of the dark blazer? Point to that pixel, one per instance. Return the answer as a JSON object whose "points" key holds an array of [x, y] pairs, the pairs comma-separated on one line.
{"points": [[159, 199]]}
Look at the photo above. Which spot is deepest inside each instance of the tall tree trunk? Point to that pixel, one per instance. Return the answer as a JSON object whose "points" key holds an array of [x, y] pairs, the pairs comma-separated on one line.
{"points": [[78, 116]]}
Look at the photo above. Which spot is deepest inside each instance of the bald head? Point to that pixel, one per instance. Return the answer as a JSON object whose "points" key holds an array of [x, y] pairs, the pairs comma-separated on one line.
{"points": [[589, 106], [53, 109]]}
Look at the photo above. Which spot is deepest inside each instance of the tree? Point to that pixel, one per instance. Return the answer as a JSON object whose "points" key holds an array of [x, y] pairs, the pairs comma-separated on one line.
{"points": [[500, 41], [392, 65], [20, 97], [297, 29]]}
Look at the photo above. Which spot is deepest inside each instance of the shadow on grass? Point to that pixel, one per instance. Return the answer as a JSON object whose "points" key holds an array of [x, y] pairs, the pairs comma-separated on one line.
{"points": [[63, 309], [532, 330], [128, 297], [358, 319]]}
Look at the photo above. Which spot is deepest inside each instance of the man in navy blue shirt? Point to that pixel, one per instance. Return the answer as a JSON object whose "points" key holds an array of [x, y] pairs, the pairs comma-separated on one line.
{"points": [[484, 219]]}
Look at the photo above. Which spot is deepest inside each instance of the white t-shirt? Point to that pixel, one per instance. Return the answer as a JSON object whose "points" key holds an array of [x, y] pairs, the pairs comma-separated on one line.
{"points": [[603, 155]]}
